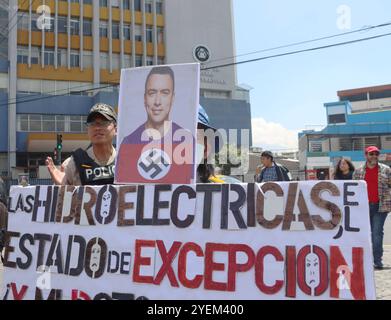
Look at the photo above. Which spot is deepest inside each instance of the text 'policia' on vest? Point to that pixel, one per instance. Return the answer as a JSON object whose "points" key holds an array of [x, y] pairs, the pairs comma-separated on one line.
{"points": [[92, 173]]}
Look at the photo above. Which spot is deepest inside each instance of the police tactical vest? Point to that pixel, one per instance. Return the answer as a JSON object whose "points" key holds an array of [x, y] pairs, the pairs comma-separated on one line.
{"points": [[90, 172]]}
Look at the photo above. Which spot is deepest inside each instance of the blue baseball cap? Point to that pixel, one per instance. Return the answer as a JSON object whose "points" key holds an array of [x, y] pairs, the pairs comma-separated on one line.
{"points": [[203, 119]]}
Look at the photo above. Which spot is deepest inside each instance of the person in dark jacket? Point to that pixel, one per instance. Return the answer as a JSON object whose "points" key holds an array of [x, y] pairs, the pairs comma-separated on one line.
{"points": [[344, 170], [272, 171]]}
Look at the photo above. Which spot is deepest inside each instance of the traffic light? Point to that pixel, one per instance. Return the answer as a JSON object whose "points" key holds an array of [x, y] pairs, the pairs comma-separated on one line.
{"points": [[59, 142]]}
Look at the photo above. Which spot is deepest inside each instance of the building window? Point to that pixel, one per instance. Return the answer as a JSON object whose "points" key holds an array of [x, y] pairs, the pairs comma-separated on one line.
{"points": [[149, 61], [139, 61], [127, 33], [115, 3], [34, 18], [148, 6], [103, 3], [87, 27], [23, 21], [116, 61], [160, 35], [75, 1], [138, 33], [104, 60], [126, 4], [337, 118], [75, 59], [62, 24], [159, 7], [115, 30], [137, 5], [87, 2], [160, 60], [60, 123], [62, 57], [77, 123], [23, 53], [75, 27], [48, 57], [103, 29], [127, 61], [48, 123], [87, 59], [35, 122], [315, 146], [149, 34]]}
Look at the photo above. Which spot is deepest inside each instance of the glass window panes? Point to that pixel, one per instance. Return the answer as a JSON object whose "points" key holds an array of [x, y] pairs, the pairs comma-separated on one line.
{"points": [[103, 3], [22, 54], [60, 123], [62, 24], [127, 33], [149, 34], [127, 62], [160, 60], [87, 2], [115, 30], [24, 122], [137, 5], [76, 124], [48, 87], [103, 29], [160, 35], [159, 7], [48, 57], [148, 6], [126, 4], [149, 61], [104, 60], [48, 123], [116, 61], [138, 33], [35, 122], [75, 59], [75, 26], [87, 27], [34, 18], [87, 59], [23, 21], [139, 61]]}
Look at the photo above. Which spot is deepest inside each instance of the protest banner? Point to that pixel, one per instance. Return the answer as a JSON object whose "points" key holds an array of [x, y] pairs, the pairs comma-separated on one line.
{"points": [[157, 124], [288, 240]]}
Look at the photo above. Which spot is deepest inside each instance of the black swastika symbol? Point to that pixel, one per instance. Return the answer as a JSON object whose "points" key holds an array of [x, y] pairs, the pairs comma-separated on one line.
{"points": [[154, 161]]}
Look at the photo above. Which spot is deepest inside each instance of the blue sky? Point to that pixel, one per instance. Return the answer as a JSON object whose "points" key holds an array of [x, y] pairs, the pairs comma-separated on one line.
{"points": [[289, 92]]}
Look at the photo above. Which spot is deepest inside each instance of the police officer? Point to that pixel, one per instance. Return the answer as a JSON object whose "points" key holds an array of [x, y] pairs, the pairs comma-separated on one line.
{"points": [[95, 165]]}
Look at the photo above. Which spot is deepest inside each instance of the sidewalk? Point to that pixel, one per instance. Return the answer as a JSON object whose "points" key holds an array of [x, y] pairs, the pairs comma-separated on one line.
{"points": [[383, 277]]}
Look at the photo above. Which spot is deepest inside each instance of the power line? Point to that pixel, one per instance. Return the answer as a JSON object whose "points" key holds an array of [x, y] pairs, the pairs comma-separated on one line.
{"points": [[60, 95], [231, 64], [305, 42], [298, 51], [67, 91]]}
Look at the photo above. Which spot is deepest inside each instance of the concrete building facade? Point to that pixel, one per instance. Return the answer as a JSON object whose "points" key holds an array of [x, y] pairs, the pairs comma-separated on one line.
{"points": [[361, 118], [58, 58]]}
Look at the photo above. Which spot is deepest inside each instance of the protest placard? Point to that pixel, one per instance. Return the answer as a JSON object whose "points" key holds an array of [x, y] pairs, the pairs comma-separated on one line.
{"points": [[296, 240], [157, 124]]}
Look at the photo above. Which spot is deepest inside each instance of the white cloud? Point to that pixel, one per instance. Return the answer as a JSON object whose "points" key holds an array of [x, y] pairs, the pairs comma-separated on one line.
{"points": [[273, 136]]}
